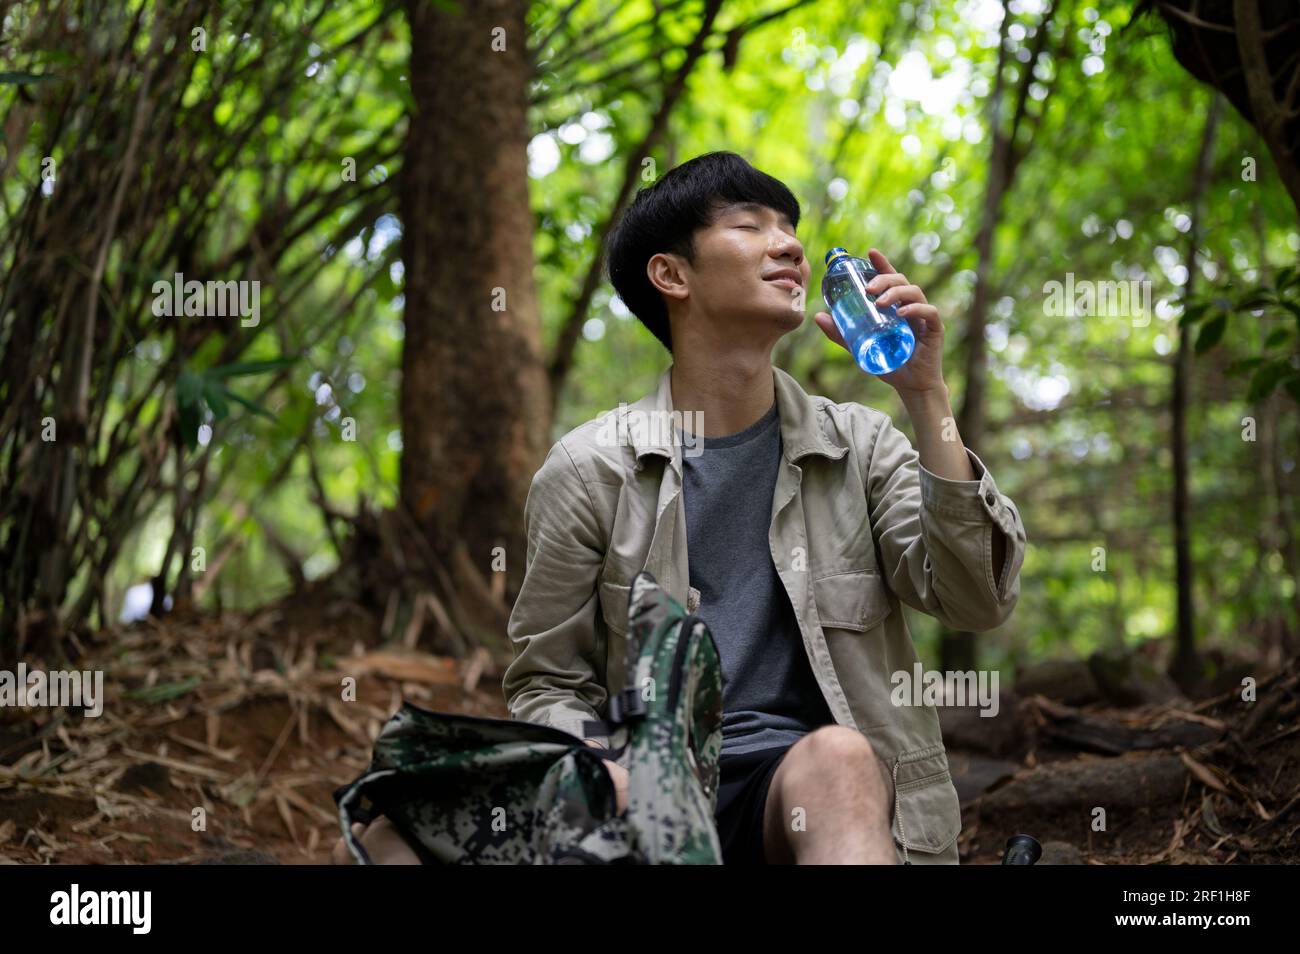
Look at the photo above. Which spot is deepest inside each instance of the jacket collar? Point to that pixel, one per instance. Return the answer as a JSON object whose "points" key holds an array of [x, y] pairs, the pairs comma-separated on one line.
{"points": [[800, 416]]}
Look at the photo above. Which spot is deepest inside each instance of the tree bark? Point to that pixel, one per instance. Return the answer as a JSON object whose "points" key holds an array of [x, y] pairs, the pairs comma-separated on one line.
{"points": [[475, 403]]}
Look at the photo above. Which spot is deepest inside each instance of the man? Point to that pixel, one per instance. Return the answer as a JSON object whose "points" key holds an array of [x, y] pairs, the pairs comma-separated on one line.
{"points": [[792, 525]]}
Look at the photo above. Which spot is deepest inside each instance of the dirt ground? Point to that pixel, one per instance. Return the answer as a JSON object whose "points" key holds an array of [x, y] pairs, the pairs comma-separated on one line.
{"points": [[1202, 784], [222, 739]]}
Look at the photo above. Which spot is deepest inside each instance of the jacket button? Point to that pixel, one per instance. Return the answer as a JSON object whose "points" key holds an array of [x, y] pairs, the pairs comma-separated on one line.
{"points": [[990, 499]]}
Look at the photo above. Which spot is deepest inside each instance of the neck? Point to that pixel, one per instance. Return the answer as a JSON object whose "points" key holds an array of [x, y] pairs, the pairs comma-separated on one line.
{"points": [[731, 390]]}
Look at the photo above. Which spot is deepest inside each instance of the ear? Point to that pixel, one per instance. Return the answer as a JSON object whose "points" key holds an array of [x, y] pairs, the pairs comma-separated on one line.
{"points": [[667, 272]]}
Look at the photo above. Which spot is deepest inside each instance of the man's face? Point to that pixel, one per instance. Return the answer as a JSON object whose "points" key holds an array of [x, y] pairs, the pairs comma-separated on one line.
{"points": [[750, 273]]}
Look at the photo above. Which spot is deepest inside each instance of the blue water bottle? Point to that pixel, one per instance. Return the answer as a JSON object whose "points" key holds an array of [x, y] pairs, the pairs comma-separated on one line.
{"points": [[879, 338]]}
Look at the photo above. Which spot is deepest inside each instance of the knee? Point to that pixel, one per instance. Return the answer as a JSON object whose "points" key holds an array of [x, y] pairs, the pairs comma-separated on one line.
{"points": [[829, 753], [834, 776], [834, 746], [838, 753]]}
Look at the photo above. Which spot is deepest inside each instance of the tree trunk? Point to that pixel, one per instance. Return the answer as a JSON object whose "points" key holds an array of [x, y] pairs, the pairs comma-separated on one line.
{"points": [[474, 399], [1184, 668], [957, 649]]}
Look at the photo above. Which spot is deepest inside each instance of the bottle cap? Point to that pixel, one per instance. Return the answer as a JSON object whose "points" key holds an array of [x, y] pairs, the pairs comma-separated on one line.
{"points": [[835, 253]]}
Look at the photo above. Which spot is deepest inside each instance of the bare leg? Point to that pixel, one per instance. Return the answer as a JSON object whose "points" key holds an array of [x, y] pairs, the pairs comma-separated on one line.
{"points": [[829, 803]]}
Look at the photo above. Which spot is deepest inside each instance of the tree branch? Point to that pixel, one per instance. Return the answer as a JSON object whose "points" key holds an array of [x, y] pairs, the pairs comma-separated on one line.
{"points": [[562, 358]]}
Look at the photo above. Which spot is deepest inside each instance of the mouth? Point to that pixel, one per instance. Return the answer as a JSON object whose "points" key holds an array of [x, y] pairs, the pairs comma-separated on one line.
{"points": [[786, 278]]}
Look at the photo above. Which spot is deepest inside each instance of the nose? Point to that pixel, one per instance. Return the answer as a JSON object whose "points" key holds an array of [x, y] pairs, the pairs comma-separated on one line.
{"points": [[786, 245]]}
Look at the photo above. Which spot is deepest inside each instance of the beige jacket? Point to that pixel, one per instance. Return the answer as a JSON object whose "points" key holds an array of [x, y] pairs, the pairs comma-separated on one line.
{"points": [[857, 527]]}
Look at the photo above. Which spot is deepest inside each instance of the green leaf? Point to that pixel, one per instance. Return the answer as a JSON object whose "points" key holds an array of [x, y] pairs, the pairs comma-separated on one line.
{"points": [[1211, 333], [251, 405], [214, 394], [241, 368], [189, 407], [189, 389], [1193, 312], [1255, 298], [1293, 386], [1277, 336], [189, 417], [1284, 277], [1266, 379], [392, 81]]}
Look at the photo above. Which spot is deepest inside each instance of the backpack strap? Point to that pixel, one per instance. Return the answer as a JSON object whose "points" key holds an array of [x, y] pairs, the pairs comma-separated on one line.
{"points": [[627, 706], [349, 802]]}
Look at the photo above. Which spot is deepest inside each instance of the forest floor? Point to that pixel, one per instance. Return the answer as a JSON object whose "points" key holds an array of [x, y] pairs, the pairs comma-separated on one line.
{"points": [[223, 738]]}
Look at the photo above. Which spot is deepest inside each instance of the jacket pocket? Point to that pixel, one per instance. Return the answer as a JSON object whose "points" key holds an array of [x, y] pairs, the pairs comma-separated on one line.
{"points": [[856, 600], [613, 605], [927, 812]]}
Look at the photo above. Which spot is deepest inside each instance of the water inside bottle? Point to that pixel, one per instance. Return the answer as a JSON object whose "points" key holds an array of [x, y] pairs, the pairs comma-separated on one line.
{"points": [[879, 338]]}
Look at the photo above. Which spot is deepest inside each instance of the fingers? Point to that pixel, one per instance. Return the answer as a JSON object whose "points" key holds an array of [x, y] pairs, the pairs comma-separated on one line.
{"points": [[894, 290], [387, 846], [879, 262], [884, 281], [922, 317]]}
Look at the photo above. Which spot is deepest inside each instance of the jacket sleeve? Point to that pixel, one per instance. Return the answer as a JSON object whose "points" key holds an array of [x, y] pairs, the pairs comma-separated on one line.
{"points": [[935, 535], [553, 678]]}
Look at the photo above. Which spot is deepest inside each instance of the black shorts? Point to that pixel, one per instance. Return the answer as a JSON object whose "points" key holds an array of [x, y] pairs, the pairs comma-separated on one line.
{"points": [[742, 797]]}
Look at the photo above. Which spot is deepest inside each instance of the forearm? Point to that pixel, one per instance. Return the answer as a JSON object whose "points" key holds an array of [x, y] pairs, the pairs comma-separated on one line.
{"points": [[941, 451], [937, 442]]}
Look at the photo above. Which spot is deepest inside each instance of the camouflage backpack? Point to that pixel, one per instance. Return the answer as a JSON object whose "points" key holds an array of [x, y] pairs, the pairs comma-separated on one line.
{"points": [[470, 790]]}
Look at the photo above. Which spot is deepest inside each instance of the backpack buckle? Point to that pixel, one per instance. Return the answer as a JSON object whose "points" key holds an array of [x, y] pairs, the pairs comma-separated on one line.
{"points": [[626, 706]]}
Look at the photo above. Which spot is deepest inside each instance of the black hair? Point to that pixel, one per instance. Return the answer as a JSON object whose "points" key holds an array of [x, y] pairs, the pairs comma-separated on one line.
{"points": [[664, 217]]}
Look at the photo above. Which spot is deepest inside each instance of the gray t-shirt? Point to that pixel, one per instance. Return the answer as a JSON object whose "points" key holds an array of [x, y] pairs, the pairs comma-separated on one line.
{"points": [[769, 694]]}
